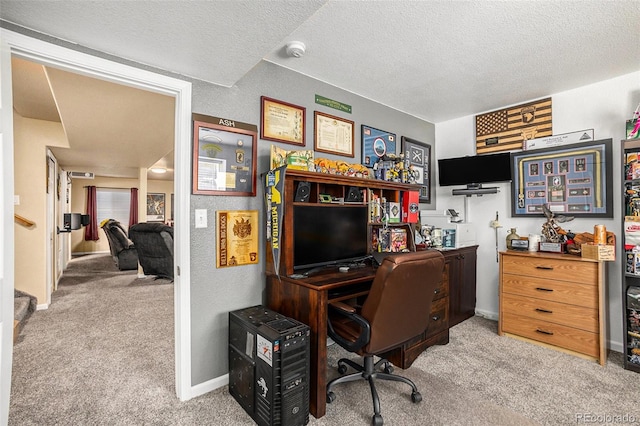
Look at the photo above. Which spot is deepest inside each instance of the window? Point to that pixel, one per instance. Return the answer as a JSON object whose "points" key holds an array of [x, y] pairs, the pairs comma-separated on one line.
{"points": [[113, 203]]}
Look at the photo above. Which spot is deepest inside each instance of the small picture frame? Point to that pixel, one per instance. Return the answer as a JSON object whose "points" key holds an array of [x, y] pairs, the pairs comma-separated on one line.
{"points": [[282, 122], [155, 207], [420, 162], [333, 135], [376, 144], [224, 157]]}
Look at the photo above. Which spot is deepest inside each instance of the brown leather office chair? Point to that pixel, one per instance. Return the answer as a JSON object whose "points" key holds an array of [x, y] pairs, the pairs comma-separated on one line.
{"points": [[396, 309]]}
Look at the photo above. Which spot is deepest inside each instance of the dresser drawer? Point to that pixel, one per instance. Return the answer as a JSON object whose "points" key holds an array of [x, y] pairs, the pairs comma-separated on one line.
{"points": [[551, 269], [580, 294], [442, 290], [554, 334], [559, 313]]}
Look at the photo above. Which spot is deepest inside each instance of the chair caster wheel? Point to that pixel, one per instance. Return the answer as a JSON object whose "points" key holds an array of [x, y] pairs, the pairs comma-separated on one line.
{"points": [[416, 397], [330, 397], [376, 420], [388, 368], [342, 369]]}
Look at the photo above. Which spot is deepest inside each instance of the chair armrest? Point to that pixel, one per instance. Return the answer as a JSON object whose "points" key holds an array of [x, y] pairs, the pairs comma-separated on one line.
{"points": [[348, 312]]}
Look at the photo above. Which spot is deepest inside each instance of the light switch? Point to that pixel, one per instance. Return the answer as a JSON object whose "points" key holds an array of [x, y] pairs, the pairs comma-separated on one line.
{"points": [[16, 200], [201, 218]]}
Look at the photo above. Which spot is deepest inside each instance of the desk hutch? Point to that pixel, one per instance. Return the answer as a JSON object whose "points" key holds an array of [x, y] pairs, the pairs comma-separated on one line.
{"points": [[305, 299]]}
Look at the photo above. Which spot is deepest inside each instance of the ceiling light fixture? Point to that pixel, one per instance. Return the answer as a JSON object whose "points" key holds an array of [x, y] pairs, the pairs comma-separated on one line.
{"points": [[159, 170], [296, 49]]}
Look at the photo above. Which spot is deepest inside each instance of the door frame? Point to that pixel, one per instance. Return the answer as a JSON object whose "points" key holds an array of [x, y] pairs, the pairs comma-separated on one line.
{"points": [[12, 43]]}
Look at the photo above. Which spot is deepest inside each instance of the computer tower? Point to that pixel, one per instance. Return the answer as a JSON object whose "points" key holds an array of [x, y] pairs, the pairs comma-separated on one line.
{"points": [[269, 357]]}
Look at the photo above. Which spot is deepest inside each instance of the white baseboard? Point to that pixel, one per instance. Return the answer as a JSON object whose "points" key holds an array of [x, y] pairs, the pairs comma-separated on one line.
{"points": [[42, 307], [209, 385]]}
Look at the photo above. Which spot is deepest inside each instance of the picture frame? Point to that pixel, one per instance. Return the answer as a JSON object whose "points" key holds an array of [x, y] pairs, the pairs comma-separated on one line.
{"points": [[573, 180], [376, 144], [224, 158], [282, 121], [155, 207], [333, 135], [420, 161], [237, 238]]}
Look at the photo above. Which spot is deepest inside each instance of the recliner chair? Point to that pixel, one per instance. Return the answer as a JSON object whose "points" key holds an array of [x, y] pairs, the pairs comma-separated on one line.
{"points": [[122, 248], [154, 241], [396, 309]]}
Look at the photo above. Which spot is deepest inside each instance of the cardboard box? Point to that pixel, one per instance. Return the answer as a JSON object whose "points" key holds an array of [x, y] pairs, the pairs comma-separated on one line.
{"points": [[410, 206], [598, 251]]}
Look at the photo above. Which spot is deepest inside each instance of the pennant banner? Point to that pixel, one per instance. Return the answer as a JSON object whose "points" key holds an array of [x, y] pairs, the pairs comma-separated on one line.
{"points": [[274, 190]]}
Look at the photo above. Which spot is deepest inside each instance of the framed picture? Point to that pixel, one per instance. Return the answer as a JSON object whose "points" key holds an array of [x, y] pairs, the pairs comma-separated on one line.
{"points": [[282, 122], [376, 144], [224, 159], [420, 162], [155, 207], [237, 233], [172, 209], [573, 180], [333, 135]]}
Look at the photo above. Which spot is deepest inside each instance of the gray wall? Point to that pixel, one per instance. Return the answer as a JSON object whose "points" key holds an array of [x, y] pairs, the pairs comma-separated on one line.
{"points": [[215, 292]]}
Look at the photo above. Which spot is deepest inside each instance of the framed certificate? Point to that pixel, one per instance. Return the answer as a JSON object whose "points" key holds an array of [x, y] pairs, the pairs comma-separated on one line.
{"points": [[333, 135], [237, 233], [282, 122]]}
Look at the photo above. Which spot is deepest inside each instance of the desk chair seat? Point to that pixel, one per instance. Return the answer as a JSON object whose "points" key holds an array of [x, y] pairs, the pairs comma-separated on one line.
{"points": [[396, 310]]}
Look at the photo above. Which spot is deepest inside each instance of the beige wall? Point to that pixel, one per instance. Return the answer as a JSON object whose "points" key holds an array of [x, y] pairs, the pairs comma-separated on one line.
{"points": [[79, 205], [31, 139]]}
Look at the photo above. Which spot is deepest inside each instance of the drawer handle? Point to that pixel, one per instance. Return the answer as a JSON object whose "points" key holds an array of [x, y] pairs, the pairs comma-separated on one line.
{"points": [[548, 333], [436, 291], [435, 317], [543, 289], [543, 311], [549, 268]]}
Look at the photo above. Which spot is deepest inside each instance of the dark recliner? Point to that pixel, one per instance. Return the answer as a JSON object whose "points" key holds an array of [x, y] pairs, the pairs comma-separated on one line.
{"points": [[122, 248], [154, 242], [396, 309]]}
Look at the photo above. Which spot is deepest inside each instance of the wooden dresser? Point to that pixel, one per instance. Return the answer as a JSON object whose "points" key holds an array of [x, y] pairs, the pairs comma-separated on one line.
{"points": [[554, 299]]}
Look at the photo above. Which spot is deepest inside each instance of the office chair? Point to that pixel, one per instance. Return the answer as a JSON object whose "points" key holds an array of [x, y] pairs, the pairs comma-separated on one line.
{"points": [[396, 309]]}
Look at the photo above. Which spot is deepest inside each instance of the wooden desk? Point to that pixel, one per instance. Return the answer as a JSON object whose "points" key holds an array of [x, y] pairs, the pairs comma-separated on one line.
{"points": [[306, 300]]}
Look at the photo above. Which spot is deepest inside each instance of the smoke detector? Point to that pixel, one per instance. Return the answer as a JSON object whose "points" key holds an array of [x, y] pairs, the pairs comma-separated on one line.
{"points": [[296, 49]]}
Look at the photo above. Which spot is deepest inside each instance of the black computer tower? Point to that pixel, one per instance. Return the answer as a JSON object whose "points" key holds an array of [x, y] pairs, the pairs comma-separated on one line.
{"points": [[269, 366]]}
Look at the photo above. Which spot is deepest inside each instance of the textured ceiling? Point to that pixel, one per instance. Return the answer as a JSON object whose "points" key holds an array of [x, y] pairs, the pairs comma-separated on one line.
{"points": [[437, 60]]}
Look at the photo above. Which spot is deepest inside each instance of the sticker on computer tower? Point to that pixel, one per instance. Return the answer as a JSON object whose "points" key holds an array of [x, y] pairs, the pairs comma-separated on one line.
{"points": [[264, 350]]}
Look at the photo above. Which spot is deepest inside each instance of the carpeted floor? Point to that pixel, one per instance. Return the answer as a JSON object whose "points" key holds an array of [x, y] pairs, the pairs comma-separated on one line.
{"points": [[102, 354]]}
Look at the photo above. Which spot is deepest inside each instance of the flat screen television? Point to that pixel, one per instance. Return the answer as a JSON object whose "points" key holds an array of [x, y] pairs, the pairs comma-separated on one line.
{"points": [[474, 170], [328, 235]]}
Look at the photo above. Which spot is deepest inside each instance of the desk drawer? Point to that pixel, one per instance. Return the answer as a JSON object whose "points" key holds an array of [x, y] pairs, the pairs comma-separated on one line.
{"points": [[572, 293], [554, 334], [551, 269], [442, 290], [559, 313], [439, 316]]}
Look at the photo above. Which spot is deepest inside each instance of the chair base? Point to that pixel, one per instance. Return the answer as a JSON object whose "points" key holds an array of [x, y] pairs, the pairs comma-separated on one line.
{"points": [[368, 372]]}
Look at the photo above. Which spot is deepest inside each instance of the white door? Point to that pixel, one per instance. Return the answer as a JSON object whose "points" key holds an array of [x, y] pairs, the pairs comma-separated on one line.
{"points": [[51, 224], [6, 230]]}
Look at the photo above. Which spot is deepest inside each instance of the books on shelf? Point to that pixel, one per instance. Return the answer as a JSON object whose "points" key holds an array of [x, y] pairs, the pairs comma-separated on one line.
{"points": [[390, 240]]}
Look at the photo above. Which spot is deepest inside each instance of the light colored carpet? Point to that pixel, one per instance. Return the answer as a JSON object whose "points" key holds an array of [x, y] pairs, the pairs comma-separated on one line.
{"points": [[103, 354]]}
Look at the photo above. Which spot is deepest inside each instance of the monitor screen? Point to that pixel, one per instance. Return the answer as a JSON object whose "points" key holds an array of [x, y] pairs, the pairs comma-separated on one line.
{"points": [[326, 235], [475, 169]]}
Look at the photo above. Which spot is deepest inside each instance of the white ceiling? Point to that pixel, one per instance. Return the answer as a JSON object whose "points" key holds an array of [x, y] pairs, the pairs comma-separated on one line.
{"points": [[436, 60]]}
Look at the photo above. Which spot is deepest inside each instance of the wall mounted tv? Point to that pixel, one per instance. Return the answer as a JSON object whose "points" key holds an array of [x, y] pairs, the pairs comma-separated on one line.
{"points": [[328, 235], [474, 170]]}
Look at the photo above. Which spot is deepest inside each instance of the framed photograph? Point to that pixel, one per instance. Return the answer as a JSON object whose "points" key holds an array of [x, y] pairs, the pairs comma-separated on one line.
{"points": [[420, 162], [573, 180], [376, 144], [282, 122], [224, 159], [155, 207], [237, 242], [333, 135]]}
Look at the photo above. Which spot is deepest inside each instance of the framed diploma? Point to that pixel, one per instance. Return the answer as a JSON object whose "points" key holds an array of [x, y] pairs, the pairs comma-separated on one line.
{"points": [[237, 242], [224, 157], [333, 135], [282, 122]]}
